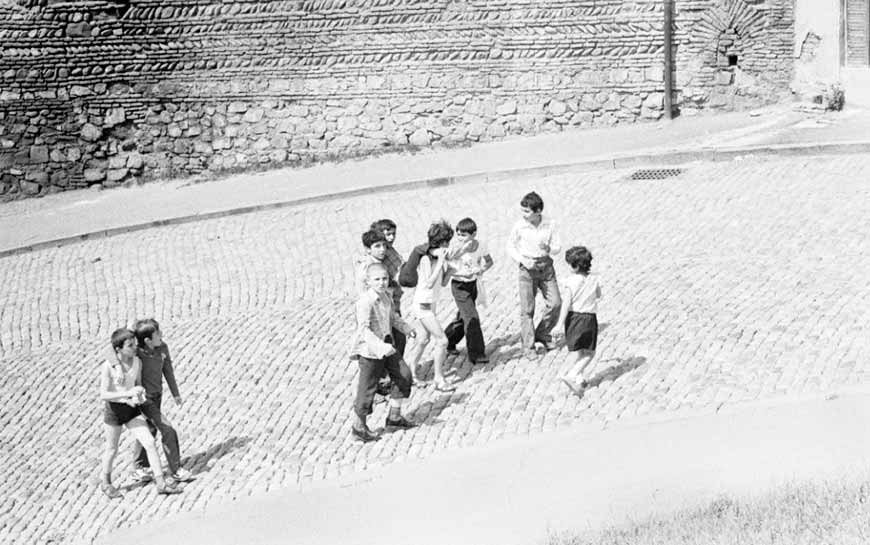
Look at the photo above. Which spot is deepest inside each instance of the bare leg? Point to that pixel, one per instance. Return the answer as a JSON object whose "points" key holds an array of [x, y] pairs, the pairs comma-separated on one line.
{"points": [[139, 429], [433, 329], [417, 351], [110, 450]]}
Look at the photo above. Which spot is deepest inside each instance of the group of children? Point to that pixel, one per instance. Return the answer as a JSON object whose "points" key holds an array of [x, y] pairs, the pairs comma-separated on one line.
{"points": [[379, 342], [131, 387]]}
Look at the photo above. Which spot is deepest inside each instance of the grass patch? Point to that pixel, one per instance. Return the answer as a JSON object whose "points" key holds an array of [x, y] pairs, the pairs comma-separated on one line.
{"points": [[829, 512]]}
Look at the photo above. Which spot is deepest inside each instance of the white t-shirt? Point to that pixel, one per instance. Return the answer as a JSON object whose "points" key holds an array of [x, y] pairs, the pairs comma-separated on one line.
{"points": [[423, 294], [466, 267], [581, 293]]}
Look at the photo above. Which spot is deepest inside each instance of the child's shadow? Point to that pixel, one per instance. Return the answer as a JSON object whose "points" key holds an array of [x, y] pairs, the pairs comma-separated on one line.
{"points": [[625, 365], [198, 463], [427, 413]]}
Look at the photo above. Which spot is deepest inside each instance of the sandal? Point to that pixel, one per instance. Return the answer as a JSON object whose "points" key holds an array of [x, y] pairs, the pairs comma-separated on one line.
{"points": [[110, 490], [444, 387], [167, 489], [573, 387]]}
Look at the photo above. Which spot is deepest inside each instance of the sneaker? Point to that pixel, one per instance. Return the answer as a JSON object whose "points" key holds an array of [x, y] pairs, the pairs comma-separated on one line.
{"points": [[452, 351], [168, 489], [399, 423], [530, 354], [143, 475], [182, 475], [544, 346]]}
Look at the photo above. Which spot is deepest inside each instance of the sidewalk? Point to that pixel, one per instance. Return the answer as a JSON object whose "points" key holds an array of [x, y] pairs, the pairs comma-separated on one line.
{"points": [[521, 491], [67, 217]]}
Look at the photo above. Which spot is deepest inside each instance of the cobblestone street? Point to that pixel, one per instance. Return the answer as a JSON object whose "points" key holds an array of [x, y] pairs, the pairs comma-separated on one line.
{"points": [[733, 282]]}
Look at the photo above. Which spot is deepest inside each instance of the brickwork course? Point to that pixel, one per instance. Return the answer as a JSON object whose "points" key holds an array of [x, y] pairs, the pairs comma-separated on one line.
{"points": [[732, 282], [105, 92]]}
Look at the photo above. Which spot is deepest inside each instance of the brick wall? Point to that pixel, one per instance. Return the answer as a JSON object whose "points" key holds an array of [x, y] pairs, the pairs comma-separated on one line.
{"points": [[111, 91]]}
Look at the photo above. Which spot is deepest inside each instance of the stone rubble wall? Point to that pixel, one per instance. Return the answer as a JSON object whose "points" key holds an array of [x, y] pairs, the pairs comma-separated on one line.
{"points": [[106, 92]]}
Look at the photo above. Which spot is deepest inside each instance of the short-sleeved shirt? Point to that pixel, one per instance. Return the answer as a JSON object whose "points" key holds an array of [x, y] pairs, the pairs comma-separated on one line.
{"points": [[466, 267], [582, 293]]}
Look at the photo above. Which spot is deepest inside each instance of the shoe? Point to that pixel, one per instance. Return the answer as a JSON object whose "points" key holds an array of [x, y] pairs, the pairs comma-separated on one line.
{"points": [[365, 435], [143, 475], [545, 346], [530, 353], [111, 491], [401, 422], [577, 391], [168, 490], [182, 475], [480, 360]]}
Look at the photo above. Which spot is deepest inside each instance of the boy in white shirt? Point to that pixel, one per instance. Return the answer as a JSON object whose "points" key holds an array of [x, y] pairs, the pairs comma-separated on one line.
{"points": [[579, 314], [531, 243]]}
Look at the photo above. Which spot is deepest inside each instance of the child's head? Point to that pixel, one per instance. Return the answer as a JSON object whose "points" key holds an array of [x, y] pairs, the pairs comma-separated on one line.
{"points": [[124, 342], [579, 258], [148, 333], [377, 277], [440, 234], [466, 229], [531, 205], [375, 243], [388, 228]]}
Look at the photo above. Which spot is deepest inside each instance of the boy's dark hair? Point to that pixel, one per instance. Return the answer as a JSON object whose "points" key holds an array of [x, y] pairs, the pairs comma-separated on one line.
{"points": [[533, 202], [384, 225], [145, 329], [120, 336], [439, 233], [466, 225], [579, 258], [371, 236]]}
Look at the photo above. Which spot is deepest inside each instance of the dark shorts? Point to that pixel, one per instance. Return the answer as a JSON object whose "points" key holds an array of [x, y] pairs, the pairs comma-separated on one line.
{"points": [[118, 414], [581, 331]]}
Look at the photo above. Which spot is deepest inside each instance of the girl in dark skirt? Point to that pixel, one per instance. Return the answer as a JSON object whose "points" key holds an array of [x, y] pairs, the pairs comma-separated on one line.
{"points": [[580, 295]]}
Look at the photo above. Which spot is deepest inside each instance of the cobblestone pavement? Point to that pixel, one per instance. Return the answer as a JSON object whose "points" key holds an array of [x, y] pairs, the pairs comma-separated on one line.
{"points": [[733, 282]]}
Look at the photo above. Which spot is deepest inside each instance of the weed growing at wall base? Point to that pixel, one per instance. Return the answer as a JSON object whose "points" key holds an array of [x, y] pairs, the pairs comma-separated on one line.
{"points": [[835, 512]]}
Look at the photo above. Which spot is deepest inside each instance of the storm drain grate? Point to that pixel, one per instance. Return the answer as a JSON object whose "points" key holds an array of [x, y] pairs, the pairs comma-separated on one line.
{"points": [[655, 173]]}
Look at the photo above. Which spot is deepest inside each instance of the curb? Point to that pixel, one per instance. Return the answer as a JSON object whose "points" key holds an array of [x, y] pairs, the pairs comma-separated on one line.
{"points": [[616, 162]]}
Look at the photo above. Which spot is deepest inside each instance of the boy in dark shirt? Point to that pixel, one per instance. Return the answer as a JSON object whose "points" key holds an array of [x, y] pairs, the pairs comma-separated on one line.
{"points": [[157, 364]]}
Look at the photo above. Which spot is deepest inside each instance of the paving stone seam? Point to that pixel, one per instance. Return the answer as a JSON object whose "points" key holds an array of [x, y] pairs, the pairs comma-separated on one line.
{"points": [[616, 162]]}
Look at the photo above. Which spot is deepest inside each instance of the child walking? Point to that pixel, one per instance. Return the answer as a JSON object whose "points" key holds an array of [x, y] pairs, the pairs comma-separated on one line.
{"points": [[157, 365], [467, 264], [374, 350], [123, 395], [581, 293], [532, 242], [426, 269]]}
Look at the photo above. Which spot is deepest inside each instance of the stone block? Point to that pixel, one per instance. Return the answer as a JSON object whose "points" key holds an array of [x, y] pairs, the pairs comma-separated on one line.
{"points": [[582, 118], [57, 156], [221, 143], [420, 137], [631, 101], [39, 154], [134, 161], [174, 131], [346, 124], [90, 132], [254, 115], [118, 161], [8, 96], [94, 175], [116, 175], [30, 188], [507, 108], [237, 107], [202, 148], [79, 91], [73, 154], [654, 100], [557, 107], [37, 176], [496, 130], [115, 116]]}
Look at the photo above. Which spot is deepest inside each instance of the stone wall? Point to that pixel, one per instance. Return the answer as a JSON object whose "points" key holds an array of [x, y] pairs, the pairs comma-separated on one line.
{"points": [[104, 92]]}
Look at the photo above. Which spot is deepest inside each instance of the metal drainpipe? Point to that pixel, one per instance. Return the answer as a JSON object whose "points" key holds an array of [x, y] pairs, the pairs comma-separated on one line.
{"points": [[669, 58]]}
